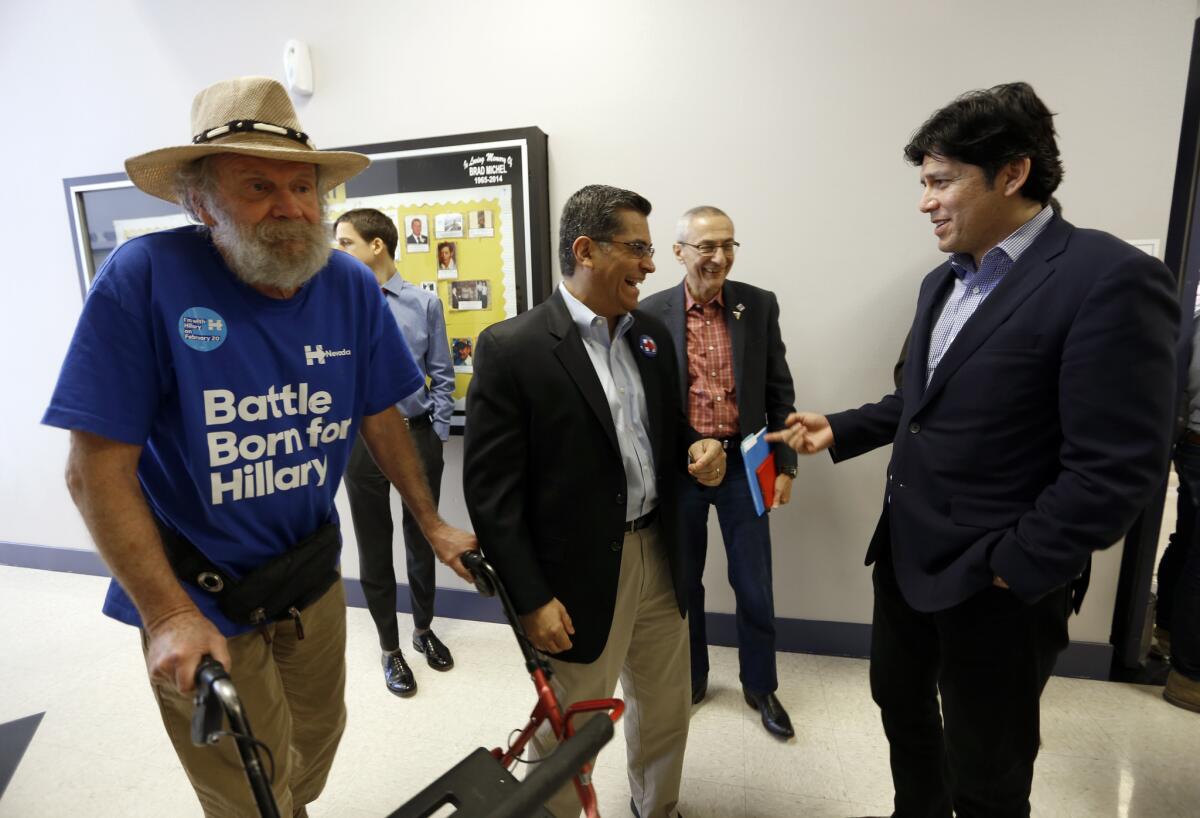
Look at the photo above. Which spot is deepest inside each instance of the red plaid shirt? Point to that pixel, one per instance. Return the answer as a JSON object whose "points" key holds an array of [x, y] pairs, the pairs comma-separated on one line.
{"points": [[712, 400]]}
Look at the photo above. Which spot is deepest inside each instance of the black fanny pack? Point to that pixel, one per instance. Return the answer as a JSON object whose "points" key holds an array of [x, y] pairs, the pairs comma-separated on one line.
{"points": [[276, 590]]}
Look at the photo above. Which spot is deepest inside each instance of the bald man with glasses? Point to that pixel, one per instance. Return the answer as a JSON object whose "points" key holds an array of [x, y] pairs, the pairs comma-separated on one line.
{"points": [[733, 380]]}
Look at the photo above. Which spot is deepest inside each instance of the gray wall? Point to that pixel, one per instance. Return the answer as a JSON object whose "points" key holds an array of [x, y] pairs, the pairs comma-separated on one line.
{"points": [[790, 115]]}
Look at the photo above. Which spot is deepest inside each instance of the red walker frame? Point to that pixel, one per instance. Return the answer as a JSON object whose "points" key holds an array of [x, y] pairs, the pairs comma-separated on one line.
{"points": [[547, 707]]}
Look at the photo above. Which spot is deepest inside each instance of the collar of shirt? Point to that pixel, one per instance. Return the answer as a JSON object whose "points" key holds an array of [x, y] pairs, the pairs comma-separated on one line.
{"points": [[591, 325], [689, 302], [1011, 248], [395, 284]]}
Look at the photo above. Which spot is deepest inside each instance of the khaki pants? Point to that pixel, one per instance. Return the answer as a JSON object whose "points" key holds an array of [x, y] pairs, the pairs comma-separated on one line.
{"points": [[647, 650], [293, 694]]}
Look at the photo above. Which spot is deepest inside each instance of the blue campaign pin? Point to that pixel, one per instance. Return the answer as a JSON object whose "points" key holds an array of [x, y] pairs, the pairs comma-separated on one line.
{"points": [[202, 329], [647, 346]]}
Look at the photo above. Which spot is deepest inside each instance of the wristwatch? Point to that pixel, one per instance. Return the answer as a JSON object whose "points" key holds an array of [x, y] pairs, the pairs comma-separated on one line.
{"points": [[790, 471]]}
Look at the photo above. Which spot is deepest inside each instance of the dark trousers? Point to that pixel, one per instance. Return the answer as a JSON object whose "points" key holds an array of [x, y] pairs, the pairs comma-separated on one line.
{"points": [[989, 657], [1178, 609], [370, 508], [748, 551]]}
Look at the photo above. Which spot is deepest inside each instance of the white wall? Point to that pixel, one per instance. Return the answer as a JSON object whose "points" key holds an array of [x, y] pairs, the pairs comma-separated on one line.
{"points": [[790, 115]]}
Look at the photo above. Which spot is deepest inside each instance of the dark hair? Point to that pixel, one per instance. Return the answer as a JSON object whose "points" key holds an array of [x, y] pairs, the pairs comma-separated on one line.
{"points": [[991, 128], [594, 211], [371, 225]]}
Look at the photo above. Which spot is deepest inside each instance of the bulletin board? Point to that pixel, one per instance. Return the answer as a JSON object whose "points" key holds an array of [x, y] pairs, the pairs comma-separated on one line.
{"points": [[481, 241]]}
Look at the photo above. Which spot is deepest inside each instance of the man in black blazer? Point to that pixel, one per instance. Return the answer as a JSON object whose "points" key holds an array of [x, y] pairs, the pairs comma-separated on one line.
{"points": [[576, 448], [1032, 426], [733, 380], [415, 236]]}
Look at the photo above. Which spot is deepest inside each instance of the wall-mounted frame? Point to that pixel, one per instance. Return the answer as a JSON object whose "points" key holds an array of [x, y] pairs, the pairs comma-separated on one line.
{"points": [[486, 194]]}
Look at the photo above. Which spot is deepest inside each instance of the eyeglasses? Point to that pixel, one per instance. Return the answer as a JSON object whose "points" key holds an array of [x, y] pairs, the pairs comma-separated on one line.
{"points": [[639, 249], [708, 248]]}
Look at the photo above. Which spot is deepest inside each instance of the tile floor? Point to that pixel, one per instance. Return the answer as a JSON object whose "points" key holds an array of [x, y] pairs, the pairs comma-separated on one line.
{"points": [[1110, 749]]}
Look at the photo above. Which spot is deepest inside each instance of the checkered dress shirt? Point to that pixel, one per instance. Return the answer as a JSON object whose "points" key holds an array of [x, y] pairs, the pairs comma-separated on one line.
{"points": [[712, 402], [972, 286]]}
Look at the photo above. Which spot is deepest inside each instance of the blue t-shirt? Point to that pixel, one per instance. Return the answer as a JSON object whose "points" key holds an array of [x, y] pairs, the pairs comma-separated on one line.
{"points": [[246, 406]]}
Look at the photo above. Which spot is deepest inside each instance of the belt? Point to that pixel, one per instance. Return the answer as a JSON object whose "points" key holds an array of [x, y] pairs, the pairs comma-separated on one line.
{"points": [[641, 522], [419, 422], [732, 447]]}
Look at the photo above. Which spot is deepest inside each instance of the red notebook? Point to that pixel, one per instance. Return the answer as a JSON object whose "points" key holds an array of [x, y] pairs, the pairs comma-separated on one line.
{"points": [[766, 479], [759, 462]]}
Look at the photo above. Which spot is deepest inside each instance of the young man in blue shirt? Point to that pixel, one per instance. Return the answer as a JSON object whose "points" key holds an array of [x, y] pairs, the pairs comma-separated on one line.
{"points": [[371, 237]]}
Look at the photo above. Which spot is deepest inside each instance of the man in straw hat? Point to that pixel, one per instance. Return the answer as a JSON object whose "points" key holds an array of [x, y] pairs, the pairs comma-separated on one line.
{"points": [[214, 386]]}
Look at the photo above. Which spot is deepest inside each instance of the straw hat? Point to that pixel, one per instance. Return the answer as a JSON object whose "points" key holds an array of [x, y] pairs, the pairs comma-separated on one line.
{"points": [[251, 116]]}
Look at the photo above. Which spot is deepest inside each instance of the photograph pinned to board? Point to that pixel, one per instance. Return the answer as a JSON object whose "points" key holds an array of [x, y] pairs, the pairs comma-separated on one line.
{"points": [[449, 225], [416, 234], [447, 260], [469, 295], [481, 224], [461, 354]]}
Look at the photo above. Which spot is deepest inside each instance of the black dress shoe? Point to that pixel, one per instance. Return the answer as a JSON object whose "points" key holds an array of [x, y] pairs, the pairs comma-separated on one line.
{"points": [[398, 675], [636, 814], [774, 717], [436, 654], [699, 690]]}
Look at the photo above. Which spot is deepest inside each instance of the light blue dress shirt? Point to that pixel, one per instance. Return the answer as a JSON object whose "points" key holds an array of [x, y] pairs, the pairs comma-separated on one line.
{"points": [[618, 373], [423, 325], [972, 286]]}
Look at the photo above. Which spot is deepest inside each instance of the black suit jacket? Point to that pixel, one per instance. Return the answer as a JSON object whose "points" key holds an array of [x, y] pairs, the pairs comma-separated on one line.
{"points": [[763, 383], [1044, 430], [542, 471]]}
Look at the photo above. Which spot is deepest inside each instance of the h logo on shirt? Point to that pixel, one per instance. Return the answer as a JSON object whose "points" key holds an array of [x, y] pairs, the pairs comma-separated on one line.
{"points": [[314, 355]]}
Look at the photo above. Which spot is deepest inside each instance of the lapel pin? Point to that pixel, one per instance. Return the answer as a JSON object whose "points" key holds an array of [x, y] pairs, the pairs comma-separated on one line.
{"points": [[647, 346], [738, 310]]}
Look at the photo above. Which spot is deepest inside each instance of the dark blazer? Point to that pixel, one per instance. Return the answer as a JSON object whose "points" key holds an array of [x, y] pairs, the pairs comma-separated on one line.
{"points": [[1044, 431], [765, 395], [542, 470]]}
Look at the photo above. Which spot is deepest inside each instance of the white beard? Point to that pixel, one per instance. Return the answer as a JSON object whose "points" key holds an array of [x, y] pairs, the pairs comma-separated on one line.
{"points": [[272, 253]]}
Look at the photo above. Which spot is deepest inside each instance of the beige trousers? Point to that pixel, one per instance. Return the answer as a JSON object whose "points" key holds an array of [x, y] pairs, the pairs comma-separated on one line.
{"points": [[647, 650], [293, 692]]}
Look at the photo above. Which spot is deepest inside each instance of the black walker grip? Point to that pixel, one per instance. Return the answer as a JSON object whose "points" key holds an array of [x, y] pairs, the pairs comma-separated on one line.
{"points": [[207, 712], [482, 572], [208, 671]]}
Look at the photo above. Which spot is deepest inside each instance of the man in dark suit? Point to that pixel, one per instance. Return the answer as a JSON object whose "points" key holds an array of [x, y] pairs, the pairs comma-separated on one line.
{"points": [[1031, 428], [576, 447], [733, 380], [415, 235]]}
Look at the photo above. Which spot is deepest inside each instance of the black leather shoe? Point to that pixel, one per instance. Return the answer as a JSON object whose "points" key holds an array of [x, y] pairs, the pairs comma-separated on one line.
{"points": [[636, 814], [398, 675], [436, 654], [699, 690], [774, 717]]}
